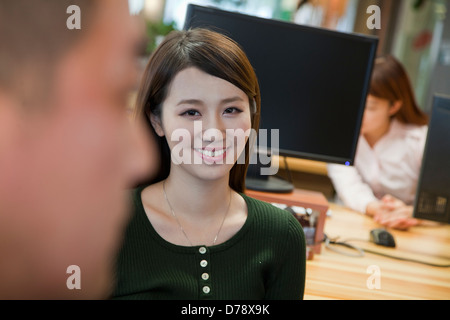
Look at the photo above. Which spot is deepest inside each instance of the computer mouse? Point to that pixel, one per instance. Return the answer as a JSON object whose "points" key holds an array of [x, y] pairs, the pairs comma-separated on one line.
{"points": [[382, 237]]}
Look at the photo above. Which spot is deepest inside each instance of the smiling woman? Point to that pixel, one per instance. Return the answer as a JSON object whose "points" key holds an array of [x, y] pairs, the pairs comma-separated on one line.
{"points": [[197, 49], [206, 239], [209, 120]]}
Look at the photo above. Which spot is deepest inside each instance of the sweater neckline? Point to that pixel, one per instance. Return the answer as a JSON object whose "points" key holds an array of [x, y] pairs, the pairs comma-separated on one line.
{"points": [[192, 249]]}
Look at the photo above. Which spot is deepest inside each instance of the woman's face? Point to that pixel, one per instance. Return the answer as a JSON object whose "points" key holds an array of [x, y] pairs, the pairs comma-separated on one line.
{"points": [[206, 121], [376, 115]]}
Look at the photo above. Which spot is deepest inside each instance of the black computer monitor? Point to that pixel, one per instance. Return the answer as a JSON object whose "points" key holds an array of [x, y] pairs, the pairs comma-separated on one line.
{"points": [[313, 83], [432, 200]]}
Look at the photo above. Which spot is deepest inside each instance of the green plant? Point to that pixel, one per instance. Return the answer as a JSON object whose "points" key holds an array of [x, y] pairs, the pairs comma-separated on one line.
{"points": [[155, 30]]}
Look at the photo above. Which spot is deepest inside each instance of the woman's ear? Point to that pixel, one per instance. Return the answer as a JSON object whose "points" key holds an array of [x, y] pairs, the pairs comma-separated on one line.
{"points": [[156, 124], [395, 107]]}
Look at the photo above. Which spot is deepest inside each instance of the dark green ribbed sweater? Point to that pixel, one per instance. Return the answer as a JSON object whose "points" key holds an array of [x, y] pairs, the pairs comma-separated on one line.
{"points": [[265, 259]]}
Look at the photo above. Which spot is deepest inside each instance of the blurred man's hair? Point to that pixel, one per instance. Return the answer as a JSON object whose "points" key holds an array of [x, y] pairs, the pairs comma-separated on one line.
{"points": [[33, 36]]}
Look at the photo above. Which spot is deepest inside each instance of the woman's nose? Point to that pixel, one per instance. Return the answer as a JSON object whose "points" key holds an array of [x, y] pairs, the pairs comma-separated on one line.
{"points": [[212, 129], [213, 121]]}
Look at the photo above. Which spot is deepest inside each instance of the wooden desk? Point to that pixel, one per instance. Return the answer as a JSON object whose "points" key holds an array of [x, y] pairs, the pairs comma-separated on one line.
{"points": [[331, 275]]}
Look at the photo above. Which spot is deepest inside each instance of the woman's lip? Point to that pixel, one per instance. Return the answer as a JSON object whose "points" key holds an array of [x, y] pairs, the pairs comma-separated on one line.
{"points": [[209, 148], [212, 154]]}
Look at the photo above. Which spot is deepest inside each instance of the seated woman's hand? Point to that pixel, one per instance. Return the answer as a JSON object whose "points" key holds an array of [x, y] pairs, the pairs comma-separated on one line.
{"points": [[390, 203], [392, 213], [399, 218]]}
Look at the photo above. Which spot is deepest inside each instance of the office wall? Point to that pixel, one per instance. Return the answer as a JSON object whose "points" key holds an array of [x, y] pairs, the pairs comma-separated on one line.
{"points": [[440, 80], [417, 42]]}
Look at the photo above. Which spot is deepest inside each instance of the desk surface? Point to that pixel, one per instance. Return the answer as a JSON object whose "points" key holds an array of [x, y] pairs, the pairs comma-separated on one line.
{"points": [[331, 275]]}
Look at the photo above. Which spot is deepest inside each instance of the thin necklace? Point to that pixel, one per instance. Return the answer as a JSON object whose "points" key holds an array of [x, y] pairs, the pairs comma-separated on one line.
{"points": [[178, 221]]}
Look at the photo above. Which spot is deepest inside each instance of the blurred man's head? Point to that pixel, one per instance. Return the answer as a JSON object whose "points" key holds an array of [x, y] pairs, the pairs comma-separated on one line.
{"points": [[67, 149]]}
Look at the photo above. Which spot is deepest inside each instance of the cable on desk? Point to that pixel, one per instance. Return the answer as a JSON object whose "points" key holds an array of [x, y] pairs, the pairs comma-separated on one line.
{"points": [[329, 242], [407, 259], [291, 180], [288, 171]]}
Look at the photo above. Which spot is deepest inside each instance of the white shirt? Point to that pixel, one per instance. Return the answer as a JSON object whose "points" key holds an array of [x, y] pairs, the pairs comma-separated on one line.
{"points": [[392, 167]]}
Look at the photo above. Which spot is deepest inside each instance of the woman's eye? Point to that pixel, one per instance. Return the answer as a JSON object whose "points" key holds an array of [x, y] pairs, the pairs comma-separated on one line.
{"points": [[191, 113], [232, 110]]}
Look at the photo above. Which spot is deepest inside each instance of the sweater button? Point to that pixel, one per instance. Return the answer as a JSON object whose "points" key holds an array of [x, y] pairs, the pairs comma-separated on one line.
{"points": [[203, 263], [206, 289], [205, 276], [202, 250]]}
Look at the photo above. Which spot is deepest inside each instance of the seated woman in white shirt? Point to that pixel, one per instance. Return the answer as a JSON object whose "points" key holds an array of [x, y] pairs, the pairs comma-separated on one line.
{"points": [[383, 181]]}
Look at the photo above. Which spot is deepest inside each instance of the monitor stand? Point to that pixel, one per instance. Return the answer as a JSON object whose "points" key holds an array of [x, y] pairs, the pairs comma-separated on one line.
{"points": [[269, 184], [257, 182]]}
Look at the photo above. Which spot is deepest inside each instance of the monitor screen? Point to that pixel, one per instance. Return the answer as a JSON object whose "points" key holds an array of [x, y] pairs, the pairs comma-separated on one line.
{"points": [[433, 191], [313, 81]]}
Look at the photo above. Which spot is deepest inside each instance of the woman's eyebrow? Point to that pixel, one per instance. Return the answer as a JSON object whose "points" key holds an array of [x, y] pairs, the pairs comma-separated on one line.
{"points": [[200, 102], [232, 99], [190, 101]]}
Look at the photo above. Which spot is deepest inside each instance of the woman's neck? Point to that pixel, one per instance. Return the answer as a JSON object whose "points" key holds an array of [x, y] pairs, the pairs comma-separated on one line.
{"points": [[374, 136], [197, 198]]}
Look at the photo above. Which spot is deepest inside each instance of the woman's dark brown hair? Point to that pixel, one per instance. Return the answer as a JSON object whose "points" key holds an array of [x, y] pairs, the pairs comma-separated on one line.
{"points": [[212, 53], [391, 82]]}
